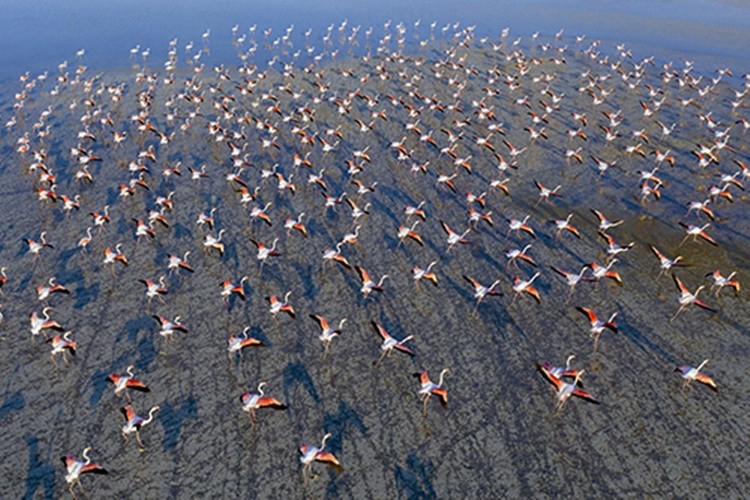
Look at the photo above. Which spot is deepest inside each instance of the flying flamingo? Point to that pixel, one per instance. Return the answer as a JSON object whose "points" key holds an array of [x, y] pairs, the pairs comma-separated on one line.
{"points": [[549, 370], [155, 289], [722, 281], [686, 298], [264, 251], [429, 388], [175, 262], [75, 468], [60, 344], [331, 255], [134, 423], [368, 285], [565, 390], [689, 374], [38, 325], [210, 241], [666, 264], [252, 402], [481, 291], [236, 344], [454, 237], [521, 286], [597, 325], [418, 274], [389, 343], [128, 381], [228, 288], [312, 454], [327, 333], [44, 291]]}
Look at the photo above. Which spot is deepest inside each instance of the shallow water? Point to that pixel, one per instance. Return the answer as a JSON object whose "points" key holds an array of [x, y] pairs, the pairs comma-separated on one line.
{"points": [[499, 435]]}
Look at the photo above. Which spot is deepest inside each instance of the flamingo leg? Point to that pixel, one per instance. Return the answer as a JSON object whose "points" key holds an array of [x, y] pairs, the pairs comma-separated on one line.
{"points": [[678, 312]]}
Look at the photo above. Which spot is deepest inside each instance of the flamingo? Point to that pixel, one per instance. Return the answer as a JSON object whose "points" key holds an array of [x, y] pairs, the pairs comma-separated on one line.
{"points": [[154, 289], [597, 325], [327, 333], [598, 272], [85, 240], [277, 306], [127, 381], [36, 246], [142, 230], [228, 288], [521, 286], [264, 252], [389, 343], [613, 249], [689, 374], [481, 291], [548, 370], [408, 232], [236, 344], [111, 257], [512, 254], [260, 213], [330, 254], [368, 285], [167, 327], [454, 237], [573, 279], [410, 210], [44, 291], [429, 388], [666, 264], [565, 390], [252, 402], [696, 231], [565, 225], [210, 241], [296, 224], [134, 423], [722, 281], [60, 344], [520, 225], [312, 454], [350, 238], [175, 262], [75, 468], [38, 325], [207, 219], [686, 298], [546, 193], [418, 274]]}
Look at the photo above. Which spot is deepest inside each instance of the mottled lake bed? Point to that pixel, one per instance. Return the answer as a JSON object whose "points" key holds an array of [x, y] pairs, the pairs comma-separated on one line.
{"points": [[500, 434]]}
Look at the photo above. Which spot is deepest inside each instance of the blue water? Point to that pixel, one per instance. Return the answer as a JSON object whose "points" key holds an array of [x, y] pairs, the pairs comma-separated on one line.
{"points": [[36, 36]]}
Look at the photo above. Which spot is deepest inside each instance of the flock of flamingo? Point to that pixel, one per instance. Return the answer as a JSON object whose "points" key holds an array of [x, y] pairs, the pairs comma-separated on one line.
{"points": [[429, 153]]}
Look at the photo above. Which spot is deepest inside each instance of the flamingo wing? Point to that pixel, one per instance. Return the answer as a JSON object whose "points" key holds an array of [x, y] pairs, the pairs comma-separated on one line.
{"points": [[322, 323], [94, 468], [128, 412], [381, 331], [585, 395], [328, 458], [442, 394], [137, 385], [271, 403], [705, 379], [545, 369]]}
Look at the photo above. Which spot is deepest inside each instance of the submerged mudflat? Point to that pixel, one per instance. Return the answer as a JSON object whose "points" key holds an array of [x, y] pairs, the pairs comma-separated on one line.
{"points": [[474, 133]]}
